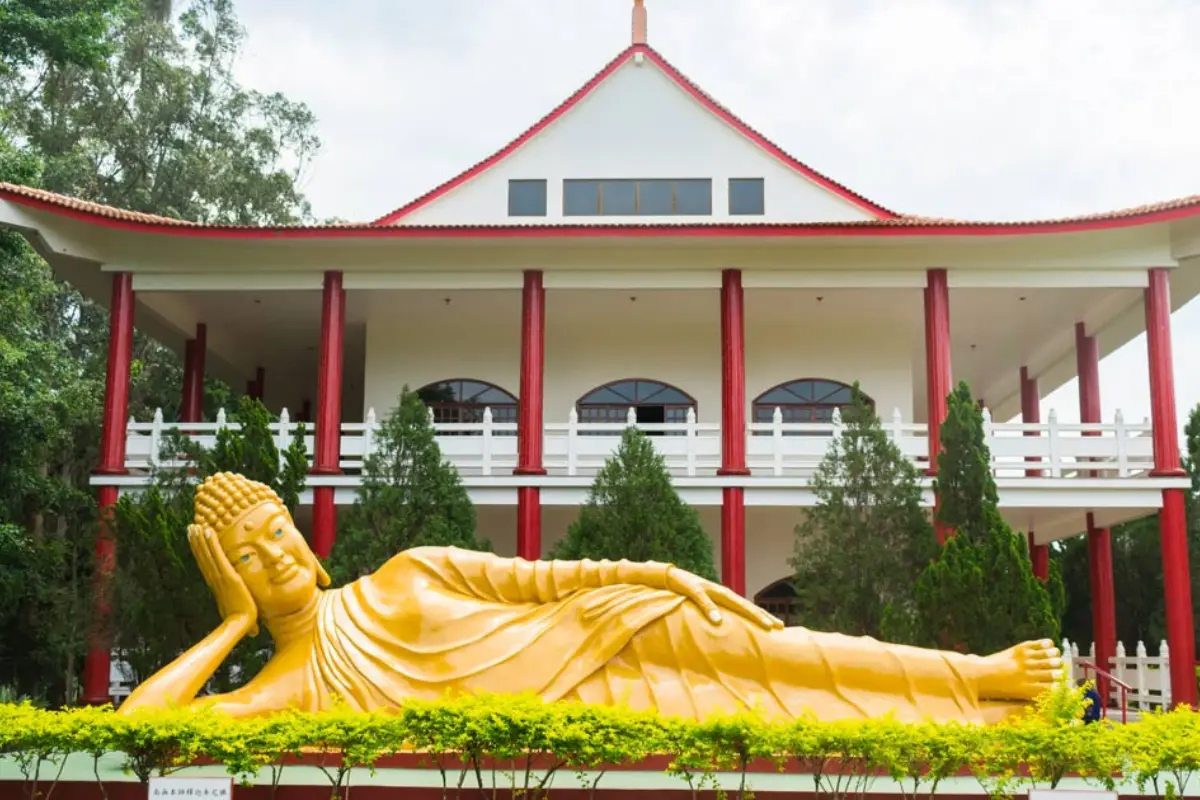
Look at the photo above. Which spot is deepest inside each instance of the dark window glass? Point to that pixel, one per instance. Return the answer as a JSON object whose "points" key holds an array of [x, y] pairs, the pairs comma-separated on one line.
{"points": [[527, 198], [809, 400], [650, 197], [746, 196], [656, 197], [693, 197], [461, 401], [618, 197], [581, 198], [653, 402]]}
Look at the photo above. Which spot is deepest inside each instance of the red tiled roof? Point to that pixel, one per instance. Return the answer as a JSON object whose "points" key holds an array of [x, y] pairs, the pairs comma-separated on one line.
{"points": [[109, 216], [684, 83]]}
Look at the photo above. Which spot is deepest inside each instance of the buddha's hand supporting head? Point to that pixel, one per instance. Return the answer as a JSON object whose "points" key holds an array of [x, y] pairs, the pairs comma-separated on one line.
{"points": [[232, 595], [256, 556]]}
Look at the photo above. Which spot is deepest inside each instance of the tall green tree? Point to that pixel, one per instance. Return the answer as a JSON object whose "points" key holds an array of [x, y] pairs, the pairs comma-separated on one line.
{"points": [[633, 511], [47, 408], [103, 100], [410, 496], [56, 32], [860, 549], [160, 604], [980, 593]]}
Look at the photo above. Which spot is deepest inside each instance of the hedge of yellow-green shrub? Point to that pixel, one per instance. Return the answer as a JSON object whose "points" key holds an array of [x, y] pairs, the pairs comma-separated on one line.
{"points": [[465, 737]]}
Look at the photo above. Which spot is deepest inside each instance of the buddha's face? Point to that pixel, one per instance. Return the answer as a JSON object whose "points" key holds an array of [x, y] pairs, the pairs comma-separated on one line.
{"points": [[273, 559]]}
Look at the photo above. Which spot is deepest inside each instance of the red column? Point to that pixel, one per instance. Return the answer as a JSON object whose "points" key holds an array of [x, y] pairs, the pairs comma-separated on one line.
{"points": [[937, 366], [1100, 571], [192, 409], [112, 462], [1031, 413], [733, 430], [329, 412], [1171, 519], [529, 415]]}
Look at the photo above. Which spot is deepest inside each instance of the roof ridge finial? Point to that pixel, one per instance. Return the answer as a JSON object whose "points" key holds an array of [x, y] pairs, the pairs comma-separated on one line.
{"points": [[639, 22]]}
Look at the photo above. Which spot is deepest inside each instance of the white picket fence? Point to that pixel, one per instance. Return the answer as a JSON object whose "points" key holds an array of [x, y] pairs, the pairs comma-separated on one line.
{"points": [[1148, 677], [691, 448]]}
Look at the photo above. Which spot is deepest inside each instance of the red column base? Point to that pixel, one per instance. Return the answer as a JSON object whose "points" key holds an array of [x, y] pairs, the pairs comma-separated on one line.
{"points": [[1181, 637], [324, 527], [529, 523], [733, 538], [1039, 557], [96, 668]]}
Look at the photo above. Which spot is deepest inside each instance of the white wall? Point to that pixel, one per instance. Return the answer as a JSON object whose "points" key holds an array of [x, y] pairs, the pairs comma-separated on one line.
{"points": [[416, 338], [594, 337], [638, 124]]}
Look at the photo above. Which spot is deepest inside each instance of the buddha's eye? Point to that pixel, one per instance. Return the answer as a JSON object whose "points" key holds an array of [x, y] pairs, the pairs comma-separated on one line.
{"points": [[279, 533], [245, 559]]}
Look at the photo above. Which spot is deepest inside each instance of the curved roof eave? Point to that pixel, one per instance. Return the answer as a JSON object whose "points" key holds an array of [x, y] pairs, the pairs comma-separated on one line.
{"points": [[900, 226]]}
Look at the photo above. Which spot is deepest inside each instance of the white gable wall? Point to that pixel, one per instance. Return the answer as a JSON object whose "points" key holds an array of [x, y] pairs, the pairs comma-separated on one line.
{"points": [[638, 124]]}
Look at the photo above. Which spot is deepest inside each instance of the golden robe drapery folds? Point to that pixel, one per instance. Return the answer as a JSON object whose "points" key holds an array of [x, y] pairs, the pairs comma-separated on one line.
{"points": [[438, 620]]}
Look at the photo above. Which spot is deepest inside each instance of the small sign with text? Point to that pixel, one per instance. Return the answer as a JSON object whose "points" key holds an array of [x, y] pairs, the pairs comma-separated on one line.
{"points": [[191, 788]]}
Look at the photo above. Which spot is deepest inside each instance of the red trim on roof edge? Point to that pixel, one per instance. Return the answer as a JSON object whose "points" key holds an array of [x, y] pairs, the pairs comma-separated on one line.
{"points": [[901, 226], [512, 146], [683, 82]]}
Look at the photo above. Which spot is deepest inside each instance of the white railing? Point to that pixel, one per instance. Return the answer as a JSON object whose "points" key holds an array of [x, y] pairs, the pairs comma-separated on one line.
{"points": [[691, 448], [1149, 677]]}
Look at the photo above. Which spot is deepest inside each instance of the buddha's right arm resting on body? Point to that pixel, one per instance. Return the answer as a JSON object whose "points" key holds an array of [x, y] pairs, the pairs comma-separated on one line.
{"points": [[516, 580]]}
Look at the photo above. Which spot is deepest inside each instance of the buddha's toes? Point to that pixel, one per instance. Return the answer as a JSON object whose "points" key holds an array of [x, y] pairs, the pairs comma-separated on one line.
{"points": [[1020, 673]]}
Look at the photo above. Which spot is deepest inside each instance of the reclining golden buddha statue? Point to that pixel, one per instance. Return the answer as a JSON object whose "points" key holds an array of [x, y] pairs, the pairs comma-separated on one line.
{"points": [[436, 620]]}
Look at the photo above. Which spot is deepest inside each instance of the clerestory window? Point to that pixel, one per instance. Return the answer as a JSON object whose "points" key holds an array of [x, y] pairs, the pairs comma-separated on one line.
{"points": [[637, 198]]}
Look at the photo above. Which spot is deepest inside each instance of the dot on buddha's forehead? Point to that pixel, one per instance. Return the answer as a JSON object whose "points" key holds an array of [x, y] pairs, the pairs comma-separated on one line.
{"points": [[248, 525]]}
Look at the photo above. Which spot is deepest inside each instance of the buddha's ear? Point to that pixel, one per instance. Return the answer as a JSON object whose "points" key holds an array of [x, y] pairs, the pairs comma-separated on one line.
{"points": [[322, 576]]}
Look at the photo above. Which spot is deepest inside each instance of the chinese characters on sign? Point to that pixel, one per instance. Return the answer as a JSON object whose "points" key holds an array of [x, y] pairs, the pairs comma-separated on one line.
{"points": [[191, 788]]}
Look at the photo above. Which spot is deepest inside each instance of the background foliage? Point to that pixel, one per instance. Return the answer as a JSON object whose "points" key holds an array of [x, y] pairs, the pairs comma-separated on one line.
{"points": [[633, 511]]}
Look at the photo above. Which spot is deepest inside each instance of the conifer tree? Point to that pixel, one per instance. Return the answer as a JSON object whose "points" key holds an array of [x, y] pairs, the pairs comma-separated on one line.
{"points": [[861, 548], [980, 593], [410, 496], [634, 512]]}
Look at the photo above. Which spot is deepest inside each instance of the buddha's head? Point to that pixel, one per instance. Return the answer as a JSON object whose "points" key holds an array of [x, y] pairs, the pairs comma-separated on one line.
{"points": [[262, 543]]}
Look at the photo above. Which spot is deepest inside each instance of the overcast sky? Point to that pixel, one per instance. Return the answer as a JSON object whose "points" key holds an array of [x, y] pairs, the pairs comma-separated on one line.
{"points": [[986, 109]]}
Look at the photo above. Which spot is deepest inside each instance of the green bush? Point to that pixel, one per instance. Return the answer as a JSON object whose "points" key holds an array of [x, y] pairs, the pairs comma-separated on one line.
{"points": [[519, 742], [633, 511]]}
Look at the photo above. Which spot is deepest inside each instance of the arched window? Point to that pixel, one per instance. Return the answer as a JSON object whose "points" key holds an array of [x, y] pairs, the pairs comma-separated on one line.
{"points": [[780, 599], [463, 400], [653, 402], [806, 400]]}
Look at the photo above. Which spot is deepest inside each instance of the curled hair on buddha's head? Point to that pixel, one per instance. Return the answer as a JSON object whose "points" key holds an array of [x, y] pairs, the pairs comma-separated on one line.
{"points": [[225, 497]]}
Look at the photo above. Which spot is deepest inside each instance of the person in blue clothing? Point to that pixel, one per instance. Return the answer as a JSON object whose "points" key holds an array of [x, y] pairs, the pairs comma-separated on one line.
{"points": [[1092, 712]]}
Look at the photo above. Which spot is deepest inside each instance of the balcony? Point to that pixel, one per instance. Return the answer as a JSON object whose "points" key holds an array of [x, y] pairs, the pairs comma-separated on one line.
{"points": [[1049, 475], [1063, 452]]}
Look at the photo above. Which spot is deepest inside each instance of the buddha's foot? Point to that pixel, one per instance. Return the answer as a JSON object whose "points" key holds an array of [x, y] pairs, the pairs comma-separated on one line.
{"points": [[1019, 673]]}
